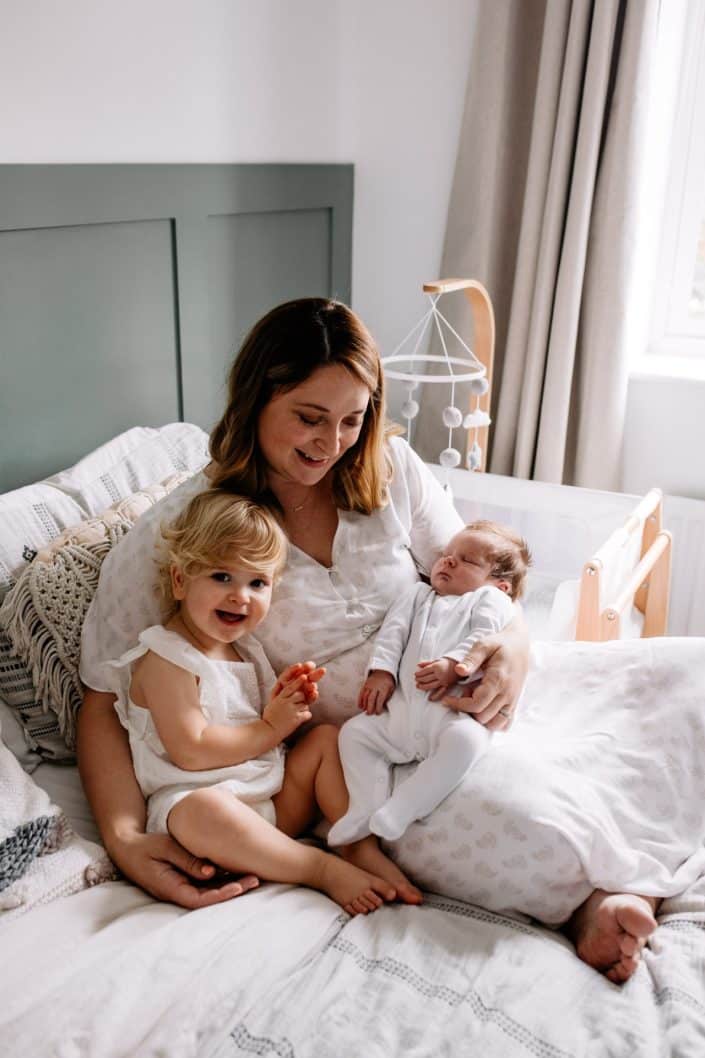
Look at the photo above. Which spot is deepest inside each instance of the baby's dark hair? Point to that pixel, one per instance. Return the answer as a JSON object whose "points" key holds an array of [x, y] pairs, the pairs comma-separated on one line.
{"points": [[508, 553]]}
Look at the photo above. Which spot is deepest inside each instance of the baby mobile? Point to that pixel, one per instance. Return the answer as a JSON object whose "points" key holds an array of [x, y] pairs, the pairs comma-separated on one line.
{"points": [[474, 368]]}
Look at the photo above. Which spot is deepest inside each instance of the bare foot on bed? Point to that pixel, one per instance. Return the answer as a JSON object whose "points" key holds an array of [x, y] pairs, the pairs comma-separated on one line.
{"points": [[368, 855], [357, 891], [609, 931]]}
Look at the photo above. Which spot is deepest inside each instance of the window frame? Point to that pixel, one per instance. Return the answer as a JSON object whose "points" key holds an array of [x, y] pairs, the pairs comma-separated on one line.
{"points": [[674, 331]]}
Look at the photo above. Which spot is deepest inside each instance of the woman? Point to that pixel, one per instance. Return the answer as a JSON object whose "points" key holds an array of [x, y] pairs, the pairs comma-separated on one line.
{"points": [[304, 432]]}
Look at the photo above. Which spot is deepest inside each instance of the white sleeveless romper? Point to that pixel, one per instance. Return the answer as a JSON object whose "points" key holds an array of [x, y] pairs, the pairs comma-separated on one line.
{"points": [[231, 692]]}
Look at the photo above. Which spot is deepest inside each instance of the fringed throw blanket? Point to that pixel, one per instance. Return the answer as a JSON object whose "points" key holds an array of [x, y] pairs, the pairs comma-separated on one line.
{"points": [[41, 857]]}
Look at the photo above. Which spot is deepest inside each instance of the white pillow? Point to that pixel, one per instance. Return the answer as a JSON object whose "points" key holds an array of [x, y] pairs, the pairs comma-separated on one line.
{"points": [[30, 518], [132, 461]]}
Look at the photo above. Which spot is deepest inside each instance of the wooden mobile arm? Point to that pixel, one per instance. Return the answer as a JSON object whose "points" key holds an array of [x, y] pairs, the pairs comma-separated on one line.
{"points": [[484, 337]]}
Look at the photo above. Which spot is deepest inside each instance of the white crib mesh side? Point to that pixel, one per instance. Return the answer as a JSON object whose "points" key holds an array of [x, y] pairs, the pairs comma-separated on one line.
{"points": [[561, 542]]}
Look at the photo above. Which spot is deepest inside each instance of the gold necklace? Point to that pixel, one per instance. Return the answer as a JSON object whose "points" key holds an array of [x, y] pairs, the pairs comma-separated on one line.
{"points": [[299, 507]]}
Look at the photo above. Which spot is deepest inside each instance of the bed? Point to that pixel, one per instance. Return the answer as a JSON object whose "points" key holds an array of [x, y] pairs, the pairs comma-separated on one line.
{"points": [[107, 970]]}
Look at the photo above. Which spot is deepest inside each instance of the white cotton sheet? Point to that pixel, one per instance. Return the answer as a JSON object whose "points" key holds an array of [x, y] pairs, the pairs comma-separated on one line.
{"points": [[111, 973]]}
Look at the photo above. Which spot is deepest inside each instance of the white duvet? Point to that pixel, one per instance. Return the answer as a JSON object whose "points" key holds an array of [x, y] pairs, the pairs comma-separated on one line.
{"points": [[599, 784], [108, 972]]}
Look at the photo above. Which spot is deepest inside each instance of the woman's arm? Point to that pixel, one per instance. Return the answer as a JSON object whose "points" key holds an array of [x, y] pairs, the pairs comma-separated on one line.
{"points": [[504, 658], [154, 861]]}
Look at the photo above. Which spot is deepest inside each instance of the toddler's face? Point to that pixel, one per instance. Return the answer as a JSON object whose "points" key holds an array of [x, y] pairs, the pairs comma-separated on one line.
{"points": [[464, 565], [224, 604]]}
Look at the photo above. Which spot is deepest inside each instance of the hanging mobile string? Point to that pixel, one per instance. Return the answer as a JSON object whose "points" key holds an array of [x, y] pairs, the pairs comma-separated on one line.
{"points": [[410, 407], [471, 370]]}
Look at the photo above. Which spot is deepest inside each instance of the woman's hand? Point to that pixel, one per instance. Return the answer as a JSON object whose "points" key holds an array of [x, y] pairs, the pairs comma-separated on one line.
{"points": [[164, 869], [155, 862], [505, 661]]}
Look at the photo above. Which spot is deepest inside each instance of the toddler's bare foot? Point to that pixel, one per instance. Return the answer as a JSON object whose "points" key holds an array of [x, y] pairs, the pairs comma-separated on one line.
{"points": [[357, 891], [609, 931], [368, 855]]}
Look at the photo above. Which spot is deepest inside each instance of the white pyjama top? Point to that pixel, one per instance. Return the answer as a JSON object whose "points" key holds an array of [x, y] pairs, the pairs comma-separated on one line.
{"points": [[424, 626]]}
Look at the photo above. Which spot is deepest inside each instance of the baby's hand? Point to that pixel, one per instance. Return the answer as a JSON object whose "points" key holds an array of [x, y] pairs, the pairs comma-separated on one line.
{"points": [[288, 706], [376, 691], [435, 677]]}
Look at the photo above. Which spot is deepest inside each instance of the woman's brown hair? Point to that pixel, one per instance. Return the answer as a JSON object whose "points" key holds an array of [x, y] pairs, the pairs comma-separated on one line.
{"points": [[280, 352]]}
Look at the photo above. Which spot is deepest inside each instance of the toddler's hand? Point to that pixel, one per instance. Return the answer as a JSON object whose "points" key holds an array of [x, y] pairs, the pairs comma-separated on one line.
{"points": [[288, 706], [308, 670], [376, 692], [435, 677]]}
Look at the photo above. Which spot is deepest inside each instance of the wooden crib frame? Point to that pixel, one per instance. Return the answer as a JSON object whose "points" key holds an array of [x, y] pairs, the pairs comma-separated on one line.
{"points": [[648, 586]]}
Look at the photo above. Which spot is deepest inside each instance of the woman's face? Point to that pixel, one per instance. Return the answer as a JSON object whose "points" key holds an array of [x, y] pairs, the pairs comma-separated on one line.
{"points": [[303, 432]]}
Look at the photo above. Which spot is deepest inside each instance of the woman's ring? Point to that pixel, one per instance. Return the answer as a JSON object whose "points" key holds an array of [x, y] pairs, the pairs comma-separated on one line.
{"points": [[505, 712]]}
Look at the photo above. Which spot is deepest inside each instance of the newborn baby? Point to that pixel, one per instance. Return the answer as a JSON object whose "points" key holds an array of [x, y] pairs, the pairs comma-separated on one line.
{"points": [[473, 585]]}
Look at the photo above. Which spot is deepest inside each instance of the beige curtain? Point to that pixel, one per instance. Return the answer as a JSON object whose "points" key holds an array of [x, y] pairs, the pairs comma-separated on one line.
{"points": [[544, 211]]}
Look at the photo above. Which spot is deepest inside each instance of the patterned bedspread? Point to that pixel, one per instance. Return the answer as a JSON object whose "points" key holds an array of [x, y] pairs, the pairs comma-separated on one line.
{"points": [[451, 979], [281, 973]]}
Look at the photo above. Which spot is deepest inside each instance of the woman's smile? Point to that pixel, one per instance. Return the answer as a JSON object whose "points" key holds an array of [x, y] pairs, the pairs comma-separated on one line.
{"points": [[311, 460], [304, 431]]}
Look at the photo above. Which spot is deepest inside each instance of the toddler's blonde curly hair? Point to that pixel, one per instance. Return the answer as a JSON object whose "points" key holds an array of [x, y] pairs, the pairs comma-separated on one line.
{"points": [[217, 528]]}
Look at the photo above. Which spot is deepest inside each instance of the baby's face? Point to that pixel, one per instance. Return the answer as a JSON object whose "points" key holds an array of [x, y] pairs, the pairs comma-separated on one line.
{"points": [[464, 565]]}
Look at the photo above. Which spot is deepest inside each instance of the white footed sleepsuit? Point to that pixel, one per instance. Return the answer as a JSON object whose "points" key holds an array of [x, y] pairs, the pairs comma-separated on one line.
{"points": [[230, 692], [420, 626]]}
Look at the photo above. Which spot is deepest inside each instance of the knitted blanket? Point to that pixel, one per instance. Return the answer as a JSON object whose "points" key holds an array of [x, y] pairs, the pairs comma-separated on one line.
{"points": [[41, 858]]}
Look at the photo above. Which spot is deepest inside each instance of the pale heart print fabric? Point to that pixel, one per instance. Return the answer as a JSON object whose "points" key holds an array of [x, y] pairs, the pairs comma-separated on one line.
{"points": [[599, 784]]}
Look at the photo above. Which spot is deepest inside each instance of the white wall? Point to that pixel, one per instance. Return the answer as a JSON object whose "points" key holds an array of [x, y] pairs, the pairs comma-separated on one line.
{"points": [[379, 84], [665, 435]]}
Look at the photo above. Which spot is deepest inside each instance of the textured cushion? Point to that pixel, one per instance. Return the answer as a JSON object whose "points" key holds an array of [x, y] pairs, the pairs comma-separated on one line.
{"points": [[133, 461], [30, 518], [42, 617], [13, 735], [41, 729], [33, 516]]}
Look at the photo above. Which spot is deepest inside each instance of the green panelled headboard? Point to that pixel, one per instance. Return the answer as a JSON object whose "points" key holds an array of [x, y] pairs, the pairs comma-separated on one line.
{"points": [[126, 289]]}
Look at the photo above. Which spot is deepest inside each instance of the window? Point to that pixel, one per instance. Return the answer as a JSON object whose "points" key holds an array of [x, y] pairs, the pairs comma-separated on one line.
{"points": [[679, 298]]}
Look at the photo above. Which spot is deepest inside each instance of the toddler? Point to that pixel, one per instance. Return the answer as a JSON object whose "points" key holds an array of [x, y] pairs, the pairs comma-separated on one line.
{"points": [[210, 760], [469, 597]]}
